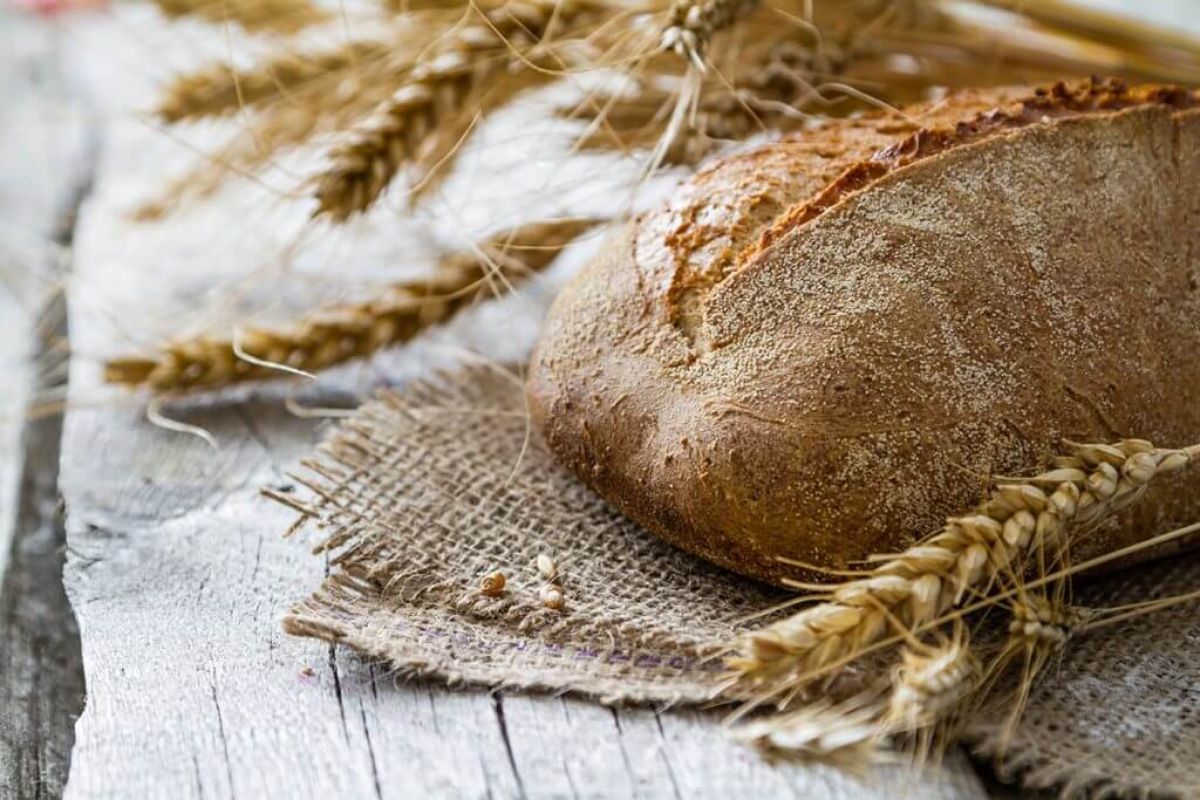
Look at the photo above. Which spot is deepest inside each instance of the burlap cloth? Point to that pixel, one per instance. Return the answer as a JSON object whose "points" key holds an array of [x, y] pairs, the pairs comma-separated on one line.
{"points": [[421, 493]]}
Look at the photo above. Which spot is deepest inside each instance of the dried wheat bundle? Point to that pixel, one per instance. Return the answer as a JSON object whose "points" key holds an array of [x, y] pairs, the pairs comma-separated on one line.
{"points": [[1012, 552], [343, 333], [703, 72], [256, 16], [771, 64], [361, 168], [776, 63], [280, 118], [405, 95], [221, 89]]}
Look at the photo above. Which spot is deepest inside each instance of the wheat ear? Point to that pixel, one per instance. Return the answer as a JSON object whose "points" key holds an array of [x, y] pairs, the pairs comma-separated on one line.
{"points": [[843, 734], [692, 23], [361, 168], [221, 89], [279, 16], [920, 584], [348, 332], [933, 689], [920, 705]]}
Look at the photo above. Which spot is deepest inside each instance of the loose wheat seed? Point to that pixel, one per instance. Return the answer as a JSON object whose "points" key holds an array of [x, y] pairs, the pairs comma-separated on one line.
{"points": [[492, 585], [552, 597], [547, 567]]}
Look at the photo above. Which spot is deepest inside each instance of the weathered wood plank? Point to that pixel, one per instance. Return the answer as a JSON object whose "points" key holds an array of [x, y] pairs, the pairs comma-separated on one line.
{"points": [[41, 672], [42, 173], [194, 690]]}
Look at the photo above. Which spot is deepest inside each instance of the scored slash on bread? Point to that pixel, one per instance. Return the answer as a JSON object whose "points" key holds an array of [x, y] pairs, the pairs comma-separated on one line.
{"points": [[822, 348]]}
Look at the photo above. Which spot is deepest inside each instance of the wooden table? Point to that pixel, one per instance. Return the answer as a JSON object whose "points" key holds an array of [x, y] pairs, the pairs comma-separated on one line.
{"points": [[175, 569]]}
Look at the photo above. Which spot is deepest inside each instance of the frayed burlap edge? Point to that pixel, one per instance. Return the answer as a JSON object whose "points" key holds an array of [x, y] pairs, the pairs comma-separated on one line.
{"points": [[420, 494], [452, 655]]}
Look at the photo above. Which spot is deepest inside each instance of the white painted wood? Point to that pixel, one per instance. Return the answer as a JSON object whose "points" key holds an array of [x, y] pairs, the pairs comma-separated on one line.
{"points": [[179, 577]]}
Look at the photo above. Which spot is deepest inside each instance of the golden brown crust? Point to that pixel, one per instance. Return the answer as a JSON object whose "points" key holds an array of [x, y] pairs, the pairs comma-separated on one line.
{"points": [[819, 348]]}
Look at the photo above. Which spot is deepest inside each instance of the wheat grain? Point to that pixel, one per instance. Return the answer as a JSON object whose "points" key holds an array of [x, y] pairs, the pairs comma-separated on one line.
{"points": [[918, 585], [928, 692], [1040, 625], [352, 331], [279, 16], [1044, 623], [361, 168], [492, 584], [933, 689], [931, 686], [547, 567], [220, 89], [551, 596]]}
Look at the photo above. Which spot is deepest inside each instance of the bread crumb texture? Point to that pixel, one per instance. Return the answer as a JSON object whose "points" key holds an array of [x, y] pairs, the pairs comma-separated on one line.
{"points": [[821, 348]]}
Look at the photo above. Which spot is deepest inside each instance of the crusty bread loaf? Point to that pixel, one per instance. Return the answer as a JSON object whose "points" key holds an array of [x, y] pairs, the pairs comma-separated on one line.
{"points": [[821, 348]]}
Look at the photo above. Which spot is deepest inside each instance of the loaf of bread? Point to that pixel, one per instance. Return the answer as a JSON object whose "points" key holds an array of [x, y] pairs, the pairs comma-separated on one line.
{"points": [[822, 348]]}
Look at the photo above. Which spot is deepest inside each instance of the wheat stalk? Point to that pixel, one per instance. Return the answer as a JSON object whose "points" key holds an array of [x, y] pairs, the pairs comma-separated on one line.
{"points": [[279, 16], [386, 122], [916, 587], [1039, 630], [361, 168], [348, 332], [221, 89]]}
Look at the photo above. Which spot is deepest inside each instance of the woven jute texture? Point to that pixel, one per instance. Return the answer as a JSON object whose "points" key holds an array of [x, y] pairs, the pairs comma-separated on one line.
{"points": [[1120, 717], [422, 493]]}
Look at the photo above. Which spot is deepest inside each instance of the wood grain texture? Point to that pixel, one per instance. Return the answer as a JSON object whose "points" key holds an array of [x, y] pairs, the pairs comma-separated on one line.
{"points": [[179, 577]]}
